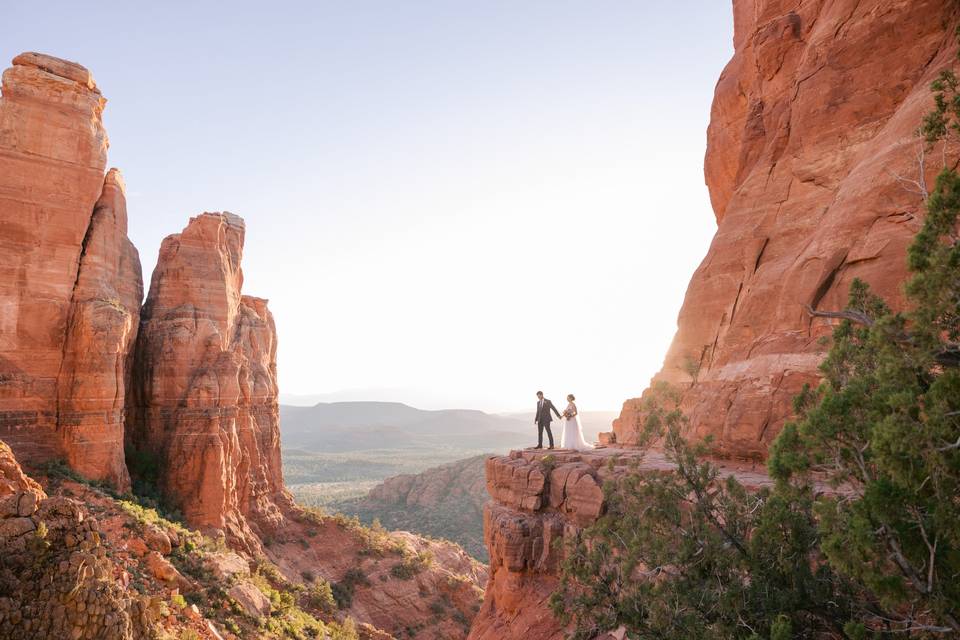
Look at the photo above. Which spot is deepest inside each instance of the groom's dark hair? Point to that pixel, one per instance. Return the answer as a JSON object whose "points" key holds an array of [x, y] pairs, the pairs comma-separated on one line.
{"points": [[539, 393]]}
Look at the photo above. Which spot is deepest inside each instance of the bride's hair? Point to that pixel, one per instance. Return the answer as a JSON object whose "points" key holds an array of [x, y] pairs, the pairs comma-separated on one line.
{"points": [[571, 397]]}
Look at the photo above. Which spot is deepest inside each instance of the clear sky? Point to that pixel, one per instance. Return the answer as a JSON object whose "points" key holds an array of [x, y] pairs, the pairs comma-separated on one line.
{"points": [[448, 203]]}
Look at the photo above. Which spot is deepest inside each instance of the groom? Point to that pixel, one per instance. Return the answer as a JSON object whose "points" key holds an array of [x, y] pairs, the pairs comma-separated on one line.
{"points": [[543, 419]]}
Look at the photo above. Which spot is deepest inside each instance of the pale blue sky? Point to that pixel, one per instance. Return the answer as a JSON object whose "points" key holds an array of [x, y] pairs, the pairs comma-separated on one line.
{"points": [[449, 203]]}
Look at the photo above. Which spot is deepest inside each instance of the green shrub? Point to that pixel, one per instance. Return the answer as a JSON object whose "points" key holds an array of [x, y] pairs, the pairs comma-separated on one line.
{"points": [[411, 564], [344, 589], [320, 596]]}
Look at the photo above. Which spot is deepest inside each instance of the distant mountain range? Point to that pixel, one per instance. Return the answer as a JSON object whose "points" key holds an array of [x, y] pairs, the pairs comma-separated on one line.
{"points": [[333, 427]]}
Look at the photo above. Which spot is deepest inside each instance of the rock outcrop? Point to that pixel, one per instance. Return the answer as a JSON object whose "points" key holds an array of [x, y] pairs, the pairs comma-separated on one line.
{"points": [[540, 501], [204, 410], [810, 148], [56, 580], [537, 502], [70, 284]]}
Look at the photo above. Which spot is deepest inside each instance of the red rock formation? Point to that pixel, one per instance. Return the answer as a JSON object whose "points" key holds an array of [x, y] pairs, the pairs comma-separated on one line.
{"points": [[101, 330], [70, 284], [533, 506], [539, 500], [204, 407], [813, 119]]}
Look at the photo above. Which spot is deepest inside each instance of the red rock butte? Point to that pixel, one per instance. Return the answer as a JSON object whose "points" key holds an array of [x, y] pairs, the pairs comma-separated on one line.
{"points": [[184, 387], [70, 283], [203, 403], [813, 121]]}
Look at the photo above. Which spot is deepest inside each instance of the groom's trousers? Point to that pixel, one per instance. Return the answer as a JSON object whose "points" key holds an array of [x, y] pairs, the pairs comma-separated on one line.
{"points": [[540, 427]]}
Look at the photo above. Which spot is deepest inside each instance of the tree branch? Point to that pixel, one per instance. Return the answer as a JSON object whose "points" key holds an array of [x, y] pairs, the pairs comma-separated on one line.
{"points": [[854, 316]]}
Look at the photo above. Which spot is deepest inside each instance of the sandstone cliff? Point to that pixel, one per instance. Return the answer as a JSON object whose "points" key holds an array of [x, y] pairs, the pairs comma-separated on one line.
{"points": [[812, 123], [204, 413], [70, 284]]}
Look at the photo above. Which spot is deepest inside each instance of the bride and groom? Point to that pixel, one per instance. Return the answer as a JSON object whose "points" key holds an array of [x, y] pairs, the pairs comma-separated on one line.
{"points": [[571, 436]]}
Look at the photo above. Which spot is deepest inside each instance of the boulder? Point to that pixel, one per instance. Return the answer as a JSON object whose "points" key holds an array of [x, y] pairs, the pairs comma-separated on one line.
{"points": [[251, 599], [157, 540], [161, 569], [224, 566]]}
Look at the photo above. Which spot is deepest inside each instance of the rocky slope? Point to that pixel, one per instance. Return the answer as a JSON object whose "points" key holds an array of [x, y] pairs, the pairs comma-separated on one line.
{"points": [[404, 584], [56, 580], [445, 502], [70, 284], [810, 141], [77, 562]]}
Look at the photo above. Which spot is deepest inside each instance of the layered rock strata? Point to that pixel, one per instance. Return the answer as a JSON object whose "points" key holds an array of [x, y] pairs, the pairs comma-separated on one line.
{"points": [[810, 157], [204, 411], [70, 284]]}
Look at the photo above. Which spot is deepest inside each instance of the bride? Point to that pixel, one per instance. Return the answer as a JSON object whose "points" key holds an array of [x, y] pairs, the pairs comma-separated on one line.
{"points": [[572, 433]]}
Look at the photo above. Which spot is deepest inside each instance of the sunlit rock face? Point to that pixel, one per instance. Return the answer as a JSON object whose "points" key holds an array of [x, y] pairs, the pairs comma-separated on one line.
{"points": [[813, 121], [533, 508], [70, 283], [204, 416]]}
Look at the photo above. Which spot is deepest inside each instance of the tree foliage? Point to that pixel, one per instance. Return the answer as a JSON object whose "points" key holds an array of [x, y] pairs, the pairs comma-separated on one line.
{"points": [[694, 554]]}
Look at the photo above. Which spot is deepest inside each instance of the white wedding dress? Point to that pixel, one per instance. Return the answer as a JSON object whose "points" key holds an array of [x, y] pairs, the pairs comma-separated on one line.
{"points": [[571, 437]]}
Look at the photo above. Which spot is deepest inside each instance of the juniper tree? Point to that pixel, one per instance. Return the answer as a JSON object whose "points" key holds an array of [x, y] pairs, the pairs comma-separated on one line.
{"points": [[692, 554]]}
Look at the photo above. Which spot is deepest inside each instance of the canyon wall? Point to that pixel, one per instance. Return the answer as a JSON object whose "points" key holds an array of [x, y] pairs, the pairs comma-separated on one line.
{"points": [[204, 415], [70, 283], [810, 148]]}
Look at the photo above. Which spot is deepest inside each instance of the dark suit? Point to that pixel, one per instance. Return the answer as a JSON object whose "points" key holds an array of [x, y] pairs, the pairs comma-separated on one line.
{"points": [[543, 420]]}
